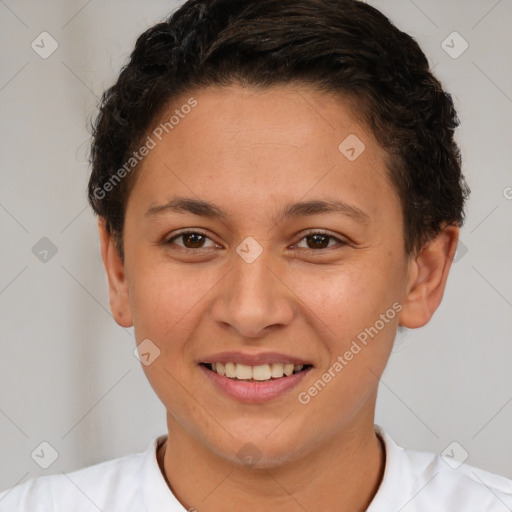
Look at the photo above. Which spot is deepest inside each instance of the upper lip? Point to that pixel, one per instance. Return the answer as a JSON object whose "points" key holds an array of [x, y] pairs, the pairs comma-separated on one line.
{"points": [[253, 359]]}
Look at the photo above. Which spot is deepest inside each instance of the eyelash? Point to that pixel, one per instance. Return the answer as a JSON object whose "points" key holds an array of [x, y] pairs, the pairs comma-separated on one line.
{"points": [[198, 232]]}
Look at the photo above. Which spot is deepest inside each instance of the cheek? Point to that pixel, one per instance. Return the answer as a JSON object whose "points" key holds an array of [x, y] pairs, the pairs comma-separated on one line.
{"points": [[348, 297], [347, 307], [166, 305], [164, 300], [350, 303]]}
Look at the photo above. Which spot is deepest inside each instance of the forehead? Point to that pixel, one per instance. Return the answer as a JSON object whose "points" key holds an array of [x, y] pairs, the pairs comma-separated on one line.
{"points": [[263, 145]]}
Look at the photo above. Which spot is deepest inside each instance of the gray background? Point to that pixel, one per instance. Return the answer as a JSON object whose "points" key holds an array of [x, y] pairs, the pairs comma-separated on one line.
{"points": [[68, 375]]}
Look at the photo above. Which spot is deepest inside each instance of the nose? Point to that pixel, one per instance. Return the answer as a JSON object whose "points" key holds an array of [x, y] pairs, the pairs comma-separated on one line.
{"points": [[253, 297]]}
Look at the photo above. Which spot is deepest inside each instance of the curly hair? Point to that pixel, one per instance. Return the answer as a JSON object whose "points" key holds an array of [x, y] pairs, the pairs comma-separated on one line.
{"points": [[341, 46]]}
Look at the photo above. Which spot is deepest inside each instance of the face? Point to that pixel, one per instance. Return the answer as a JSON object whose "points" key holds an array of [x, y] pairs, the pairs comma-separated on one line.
{"points": [[254, 275]]}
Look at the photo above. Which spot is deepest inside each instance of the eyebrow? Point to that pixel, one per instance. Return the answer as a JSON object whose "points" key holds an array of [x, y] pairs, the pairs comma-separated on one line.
{"points": [[291, 210]]}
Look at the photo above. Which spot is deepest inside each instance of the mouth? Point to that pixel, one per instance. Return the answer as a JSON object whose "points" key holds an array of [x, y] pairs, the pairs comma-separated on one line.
{"points": [[259, 373]]}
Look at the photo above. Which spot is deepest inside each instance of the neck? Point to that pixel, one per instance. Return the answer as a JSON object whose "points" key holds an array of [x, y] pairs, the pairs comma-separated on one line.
{"points": [[342, 476]]}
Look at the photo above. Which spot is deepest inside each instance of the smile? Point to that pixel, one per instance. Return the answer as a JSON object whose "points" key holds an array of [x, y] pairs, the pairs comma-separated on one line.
{"points": [[262, 372]]}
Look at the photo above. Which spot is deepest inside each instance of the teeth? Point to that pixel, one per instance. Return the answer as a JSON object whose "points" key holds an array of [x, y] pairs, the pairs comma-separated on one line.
{"points": [[230, 370], [243, 371], [288, 369], [260, 372], [276, 370]]}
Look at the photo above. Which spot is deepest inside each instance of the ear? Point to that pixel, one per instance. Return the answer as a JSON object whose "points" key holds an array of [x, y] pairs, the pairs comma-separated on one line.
{"points": [[117, 284], [428, 273]]}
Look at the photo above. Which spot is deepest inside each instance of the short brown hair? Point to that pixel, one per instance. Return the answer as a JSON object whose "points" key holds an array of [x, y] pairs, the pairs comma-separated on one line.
{"points": [[342, 46]]}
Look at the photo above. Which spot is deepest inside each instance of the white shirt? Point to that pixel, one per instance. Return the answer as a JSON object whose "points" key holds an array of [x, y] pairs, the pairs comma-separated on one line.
{"points": [[413, 482]]}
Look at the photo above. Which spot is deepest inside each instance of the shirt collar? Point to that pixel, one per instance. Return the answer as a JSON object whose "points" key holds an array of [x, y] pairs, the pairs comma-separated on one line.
{"points": [[388, 496], [157, 496]]}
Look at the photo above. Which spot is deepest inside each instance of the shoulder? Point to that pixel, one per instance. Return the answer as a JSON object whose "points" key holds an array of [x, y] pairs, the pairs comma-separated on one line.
{"points": [[460, 486], [100, 486], [428, 481]]}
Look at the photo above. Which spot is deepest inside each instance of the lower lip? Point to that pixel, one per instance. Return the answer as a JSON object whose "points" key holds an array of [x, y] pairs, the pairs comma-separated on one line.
{"points": [[254, 392]]}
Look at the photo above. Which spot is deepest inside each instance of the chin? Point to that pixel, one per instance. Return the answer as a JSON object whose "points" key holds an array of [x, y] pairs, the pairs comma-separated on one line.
{"points": [[260, 448]]}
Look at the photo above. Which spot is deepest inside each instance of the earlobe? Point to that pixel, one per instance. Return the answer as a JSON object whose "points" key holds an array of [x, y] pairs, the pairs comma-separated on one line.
{"points": [[428, 273], [118, 287]]}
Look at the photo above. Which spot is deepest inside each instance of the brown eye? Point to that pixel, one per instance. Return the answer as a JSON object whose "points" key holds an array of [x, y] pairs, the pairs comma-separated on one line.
{"points": [[193, 240], [190, 240], [320, 240]]}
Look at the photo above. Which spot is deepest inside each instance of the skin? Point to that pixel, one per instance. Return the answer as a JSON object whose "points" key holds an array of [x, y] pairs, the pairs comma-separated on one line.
{"points": [[251, 152]]}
